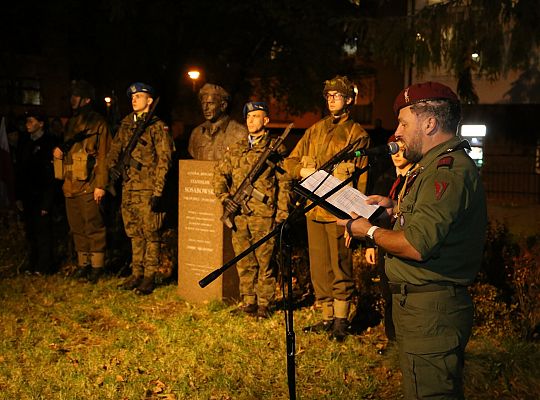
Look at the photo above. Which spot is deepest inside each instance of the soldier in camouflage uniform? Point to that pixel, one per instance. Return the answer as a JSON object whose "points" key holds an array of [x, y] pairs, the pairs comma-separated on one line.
{"points": [[142, 187], [330, 260], [257, 281], [212, 138], [434, 250], [84, 170]]}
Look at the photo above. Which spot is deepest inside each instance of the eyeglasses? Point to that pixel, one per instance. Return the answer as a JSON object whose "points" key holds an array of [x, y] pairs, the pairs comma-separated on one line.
{"points": [[335, 96]]}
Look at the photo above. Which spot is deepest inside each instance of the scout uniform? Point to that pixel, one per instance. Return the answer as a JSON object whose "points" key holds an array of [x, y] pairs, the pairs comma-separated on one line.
{"points": [[443, 216]]}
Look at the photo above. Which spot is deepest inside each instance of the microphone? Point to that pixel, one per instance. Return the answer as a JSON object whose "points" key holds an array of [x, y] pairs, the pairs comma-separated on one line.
{"points": [[390, 148]]}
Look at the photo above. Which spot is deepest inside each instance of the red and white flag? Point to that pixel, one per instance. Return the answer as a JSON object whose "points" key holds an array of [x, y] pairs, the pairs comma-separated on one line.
{"points": [[7, 181]]}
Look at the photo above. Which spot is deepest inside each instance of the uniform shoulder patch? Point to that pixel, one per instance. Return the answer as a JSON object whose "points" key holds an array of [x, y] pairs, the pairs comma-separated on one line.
{"points": [[447, 161], [440, 188]]}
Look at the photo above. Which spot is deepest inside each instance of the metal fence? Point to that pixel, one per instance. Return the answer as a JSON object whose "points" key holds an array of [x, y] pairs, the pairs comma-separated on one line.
{"points": [[511, 177]]}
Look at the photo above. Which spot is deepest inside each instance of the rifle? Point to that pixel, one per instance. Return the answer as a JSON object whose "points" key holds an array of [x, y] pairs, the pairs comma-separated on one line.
{"points": [[78, 137], [246, 190], [123, 163]]}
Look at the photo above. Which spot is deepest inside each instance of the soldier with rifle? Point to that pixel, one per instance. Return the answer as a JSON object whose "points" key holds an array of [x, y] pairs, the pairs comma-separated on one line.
{"points": [[255, 194], [141, 155], [81, 163]]}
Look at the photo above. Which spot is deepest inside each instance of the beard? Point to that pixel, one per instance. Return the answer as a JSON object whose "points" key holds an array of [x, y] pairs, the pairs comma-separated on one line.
{"points": [[413, 150]]}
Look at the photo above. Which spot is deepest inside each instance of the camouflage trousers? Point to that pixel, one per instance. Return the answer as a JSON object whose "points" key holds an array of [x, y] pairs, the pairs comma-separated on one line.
{"points": [[257, 280], [143, 227]]}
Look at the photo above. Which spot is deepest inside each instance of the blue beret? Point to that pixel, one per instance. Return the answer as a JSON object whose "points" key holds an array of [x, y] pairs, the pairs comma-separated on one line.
{"points": [[140, 87], [254, 106]]}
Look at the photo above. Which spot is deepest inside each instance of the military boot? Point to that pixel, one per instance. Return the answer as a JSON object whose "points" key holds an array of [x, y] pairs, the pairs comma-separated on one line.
{"points": [[94, 275], [97, 260], [131, 283], [83, 268], [323, 326], [147, 286], [340, 330]]}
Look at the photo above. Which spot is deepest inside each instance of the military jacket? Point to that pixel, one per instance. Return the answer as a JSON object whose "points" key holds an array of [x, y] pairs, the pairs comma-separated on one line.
{"points": [[151, 157], [95, 147], [319, 144], [236, 164], [209, 141], [444, 217]]}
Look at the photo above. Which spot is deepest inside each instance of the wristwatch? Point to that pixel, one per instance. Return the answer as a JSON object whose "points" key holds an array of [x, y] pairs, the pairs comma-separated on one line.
{"points": [[371, 231]]}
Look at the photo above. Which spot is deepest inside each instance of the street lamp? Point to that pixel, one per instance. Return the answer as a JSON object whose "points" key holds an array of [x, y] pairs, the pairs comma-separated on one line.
{"points": [[194, 75]]}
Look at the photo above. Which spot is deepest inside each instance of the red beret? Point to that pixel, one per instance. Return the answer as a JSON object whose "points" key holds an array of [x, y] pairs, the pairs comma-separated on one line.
{"points": [[423, 92]]}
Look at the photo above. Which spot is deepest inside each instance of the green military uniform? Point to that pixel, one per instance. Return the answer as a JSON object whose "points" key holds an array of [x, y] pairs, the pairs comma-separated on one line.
{"points": [[443, 217], [210, 140], [330, 260], [257, 281], [145, 178], [84, 169]]}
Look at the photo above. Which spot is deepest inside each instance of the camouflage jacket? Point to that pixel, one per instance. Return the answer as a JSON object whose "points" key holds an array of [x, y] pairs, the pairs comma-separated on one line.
{"points": [[209, 141], [319, 144], [95, 147], [151, 158], [230, 172]]}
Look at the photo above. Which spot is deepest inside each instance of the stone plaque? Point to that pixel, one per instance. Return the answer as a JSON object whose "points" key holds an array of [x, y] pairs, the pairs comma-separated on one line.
{"points": [[204, 243]]}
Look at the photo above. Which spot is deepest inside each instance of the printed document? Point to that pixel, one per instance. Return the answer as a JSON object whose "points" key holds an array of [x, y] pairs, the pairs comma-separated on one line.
{"points": [[346, 199]]}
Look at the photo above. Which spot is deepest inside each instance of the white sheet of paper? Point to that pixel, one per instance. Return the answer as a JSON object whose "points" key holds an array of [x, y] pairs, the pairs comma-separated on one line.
{"points": [[347, 199]]}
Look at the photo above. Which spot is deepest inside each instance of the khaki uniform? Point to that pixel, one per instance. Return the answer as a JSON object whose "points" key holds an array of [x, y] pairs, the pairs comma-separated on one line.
{"points": [[444, 217], [257, 281], [84, 169], [330, 260], [209, 141], [151, 159]]}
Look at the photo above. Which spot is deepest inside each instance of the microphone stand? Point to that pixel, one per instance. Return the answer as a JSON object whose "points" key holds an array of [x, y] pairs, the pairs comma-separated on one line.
{"points": [[299, 210]]}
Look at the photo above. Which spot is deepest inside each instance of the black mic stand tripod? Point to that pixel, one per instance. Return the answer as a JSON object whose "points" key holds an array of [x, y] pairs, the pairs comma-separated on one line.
{"points": [[286, 269]]}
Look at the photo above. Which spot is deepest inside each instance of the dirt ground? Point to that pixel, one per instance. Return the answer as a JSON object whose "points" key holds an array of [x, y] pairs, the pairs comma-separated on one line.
{"points": [[522, 220]]}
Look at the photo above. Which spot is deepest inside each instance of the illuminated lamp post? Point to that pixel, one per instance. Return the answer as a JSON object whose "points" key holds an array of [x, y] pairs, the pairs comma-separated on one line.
{"points": [[194, 75]]}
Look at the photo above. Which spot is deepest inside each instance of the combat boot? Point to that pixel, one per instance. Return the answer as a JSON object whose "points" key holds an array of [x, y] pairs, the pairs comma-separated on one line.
{"points": [[81, 274], [263, 312], [323, 326], [131, 283], [147, 286], [340, 330], [94, 275]]}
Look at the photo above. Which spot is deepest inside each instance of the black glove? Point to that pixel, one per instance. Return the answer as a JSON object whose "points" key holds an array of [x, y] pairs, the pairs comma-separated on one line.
{"points": [[231, 206], [155, 203], [114, 174]]}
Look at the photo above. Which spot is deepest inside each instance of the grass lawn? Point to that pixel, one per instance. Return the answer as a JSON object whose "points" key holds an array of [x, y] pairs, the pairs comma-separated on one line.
{"points": [[60, 339]]}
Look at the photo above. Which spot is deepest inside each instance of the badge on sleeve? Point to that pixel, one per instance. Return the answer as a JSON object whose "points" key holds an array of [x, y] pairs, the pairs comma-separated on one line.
{"points": [[447, 162], [440, 188]]}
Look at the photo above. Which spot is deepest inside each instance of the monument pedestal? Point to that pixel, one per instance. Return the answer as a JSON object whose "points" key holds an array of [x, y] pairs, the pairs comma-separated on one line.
{"points": [[204, 243]]}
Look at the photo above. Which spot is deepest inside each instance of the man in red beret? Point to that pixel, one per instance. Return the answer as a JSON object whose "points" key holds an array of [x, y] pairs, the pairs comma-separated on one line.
{"points": [[434, 250]]}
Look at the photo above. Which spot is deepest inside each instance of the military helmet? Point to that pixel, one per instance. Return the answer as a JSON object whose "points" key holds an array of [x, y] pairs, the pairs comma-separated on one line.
{"points": [[211, 89], [340, 84], [83, 89], [254, 106], [137, 87]]}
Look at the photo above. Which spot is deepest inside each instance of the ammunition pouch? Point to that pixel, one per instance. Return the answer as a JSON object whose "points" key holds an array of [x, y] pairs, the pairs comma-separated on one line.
{"points": [[79, 168]]}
